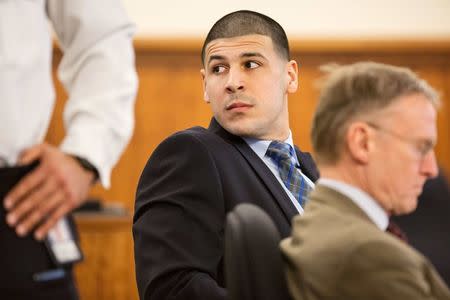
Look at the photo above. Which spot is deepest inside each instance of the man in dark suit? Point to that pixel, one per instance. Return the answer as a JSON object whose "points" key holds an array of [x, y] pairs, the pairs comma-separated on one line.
{"points": [[373, 135], [428, 227], [196, 176]]}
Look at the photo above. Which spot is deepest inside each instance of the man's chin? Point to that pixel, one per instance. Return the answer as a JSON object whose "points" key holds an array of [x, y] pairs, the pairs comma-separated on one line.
{"points": [[241, 131], [239, 128], [409, 208]]}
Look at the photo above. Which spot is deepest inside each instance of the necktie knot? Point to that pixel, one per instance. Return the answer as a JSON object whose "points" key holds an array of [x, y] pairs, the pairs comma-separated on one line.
{"points": [[396, 231], [279, 151]]}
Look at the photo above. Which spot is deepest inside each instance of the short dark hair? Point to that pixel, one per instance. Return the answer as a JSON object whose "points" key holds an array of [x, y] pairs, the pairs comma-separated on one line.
{"points": [[245, 22]]}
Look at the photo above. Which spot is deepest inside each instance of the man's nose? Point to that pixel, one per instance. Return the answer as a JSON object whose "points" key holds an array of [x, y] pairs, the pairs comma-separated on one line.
{"points": [[235, 82], [429, 165]]}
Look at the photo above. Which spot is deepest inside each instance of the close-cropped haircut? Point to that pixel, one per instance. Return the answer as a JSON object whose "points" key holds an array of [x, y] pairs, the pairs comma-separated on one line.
{"points": [[355, 92], [246, 22]]}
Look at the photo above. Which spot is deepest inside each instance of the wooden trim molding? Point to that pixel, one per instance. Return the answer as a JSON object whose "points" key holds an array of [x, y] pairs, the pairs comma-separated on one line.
{"points": [[402, 45], [298, 45], [102, 222]]}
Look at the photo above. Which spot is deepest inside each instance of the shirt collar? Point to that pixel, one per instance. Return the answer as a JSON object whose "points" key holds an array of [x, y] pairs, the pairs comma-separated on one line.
{"points": [[260, 146], [363, 200]]}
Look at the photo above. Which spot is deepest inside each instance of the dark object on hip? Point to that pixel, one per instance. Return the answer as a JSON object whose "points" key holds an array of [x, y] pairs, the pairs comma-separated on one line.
{"points": [[21, 258]]}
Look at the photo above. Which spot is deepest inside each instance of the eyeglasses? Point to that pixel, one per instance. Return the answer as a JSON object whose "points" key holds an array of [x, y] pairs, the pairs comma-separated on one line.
{"points": [[422, 147]]}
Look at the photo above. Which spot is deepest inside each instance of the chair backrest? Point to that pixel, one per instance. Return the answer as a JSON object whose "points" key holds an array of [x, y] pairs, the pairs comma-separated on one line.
{"points": [[253, 261]]}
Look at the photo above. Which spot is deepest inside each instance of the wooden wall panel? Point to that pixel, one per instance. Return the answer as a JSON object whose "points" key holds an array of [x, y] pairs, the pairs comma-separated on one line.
{"points": [[434, 67], [170, 98], [107, 272]]}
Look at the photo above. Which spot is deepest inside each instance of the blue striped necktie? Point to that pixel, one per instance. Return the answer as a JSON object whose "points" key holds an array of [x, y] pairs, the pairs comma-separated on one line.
{"points": [[282, 154]]}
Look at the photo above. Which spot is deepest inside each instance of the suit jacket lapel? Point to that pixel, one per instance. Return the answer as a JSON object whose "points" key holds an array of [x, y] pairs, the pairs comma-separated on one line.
{"points": [[307, 165], [260, 169]]}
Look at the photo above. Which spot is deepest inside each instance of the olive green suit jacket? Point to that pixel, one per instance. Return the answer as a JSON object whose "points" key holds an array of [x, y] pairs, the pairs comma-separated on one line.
{"points": [[337, 252]]}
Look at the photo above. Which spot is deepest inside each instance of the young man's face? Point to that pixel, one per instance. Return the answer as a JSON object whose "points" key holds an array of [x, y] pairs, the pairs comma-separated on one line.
{"points": [[246, 82], [403, 156]]}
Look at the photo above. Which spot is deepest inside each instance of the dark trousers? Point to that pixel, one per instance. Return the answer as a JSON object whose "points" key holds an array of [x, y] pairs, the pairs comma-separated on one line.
{"points": [[23, 257]]}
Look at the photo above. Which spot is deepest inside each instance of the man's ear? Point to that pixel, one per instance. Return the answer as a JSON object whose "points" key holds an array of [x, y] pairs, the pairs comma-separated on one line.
{"points": [[292, 73], [205, 94], [357, 140]]}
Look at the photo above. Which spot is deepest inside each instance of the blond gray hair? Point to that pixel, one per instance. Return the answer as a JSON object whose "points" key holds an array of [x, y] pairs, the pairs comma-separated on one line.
{"points": [[353, 91]]}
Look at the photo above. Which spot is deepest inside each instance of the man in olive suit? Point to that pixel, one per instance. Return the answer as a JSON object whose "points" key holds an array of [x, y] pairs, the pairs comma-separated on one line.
{"points": [[373, 136]]}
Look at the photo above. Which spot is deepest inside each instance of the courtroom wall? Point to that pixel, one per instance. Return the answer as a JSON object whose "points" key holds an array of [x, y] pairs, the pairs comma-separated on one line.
{"points": [[300, 18], [170, 96]]}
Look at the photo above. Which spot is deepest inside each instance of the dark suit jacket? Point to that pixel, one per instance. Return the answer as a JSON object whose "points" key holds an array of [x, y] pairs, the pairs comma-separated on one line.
{"points": [[191, 181], [428, 227], [336, 252]]}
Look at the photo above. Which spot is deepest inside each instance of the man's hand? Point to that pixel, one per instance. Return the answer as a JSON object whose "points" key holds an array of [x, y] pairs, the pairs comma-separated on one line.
{"points": [[57, 186]]}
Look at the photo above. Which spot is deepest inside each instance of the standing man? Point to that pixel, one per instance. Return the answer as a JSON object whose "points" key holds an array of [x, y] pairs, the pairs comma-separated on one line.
{"points": [[196, 176], [42, 183], [373, 134]]}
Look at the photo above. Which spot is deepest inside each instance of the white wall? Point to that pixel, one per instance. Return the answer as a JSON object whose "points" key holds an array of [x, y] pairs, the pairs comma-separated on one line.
{"points": [[301, 18]]}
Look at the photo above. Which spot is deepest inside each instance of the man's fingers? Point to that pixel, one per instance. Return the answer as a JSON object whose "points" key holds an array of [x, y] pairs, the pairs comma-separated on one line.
{"points": [[24, 187], [31, 154], [35, 209], [53, 218], [42, 197]]}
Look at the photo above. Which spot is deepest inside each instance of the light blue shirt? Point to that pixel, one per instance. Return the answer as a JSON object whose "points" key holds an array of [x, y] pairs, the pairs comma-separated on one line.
{"points": [[260, 148], [371, 207]]}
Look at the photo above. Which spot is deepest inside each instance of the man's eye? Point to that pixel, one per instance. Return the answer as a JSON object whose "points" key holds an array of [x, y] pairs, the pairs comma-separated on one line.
{"points": [[251, 65], [218, 69], [424, 148]]}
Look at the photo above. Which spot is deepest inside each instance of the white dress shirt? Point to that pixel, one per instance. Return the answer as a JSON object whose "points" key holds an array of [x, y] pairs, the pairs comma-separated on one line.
{"points": [[260, 148], [365, 202], [97, 70]]}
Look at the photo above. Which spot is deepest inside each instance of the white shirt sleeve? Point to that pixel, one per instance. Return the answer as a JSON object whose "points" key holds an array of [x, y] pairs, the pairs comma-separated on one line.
{"points": [[97, 70]]}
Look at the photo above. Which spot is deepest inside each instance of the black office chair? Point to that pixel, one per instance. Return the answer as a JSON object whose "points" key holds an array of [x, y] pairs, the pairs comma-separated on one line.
{"points": [[253, 262]]}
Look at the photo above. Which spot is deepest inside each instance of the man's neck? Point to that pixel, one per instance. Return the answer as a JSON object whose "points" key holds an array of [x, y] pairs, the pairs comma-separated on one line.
{"points": [[343, 174], [351, 175]]}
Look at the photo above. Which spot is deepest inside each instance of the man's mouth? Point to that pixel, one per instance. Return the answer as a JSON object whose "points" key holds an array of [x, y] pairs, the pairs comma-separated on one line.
{"points": [[237, 105]]}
